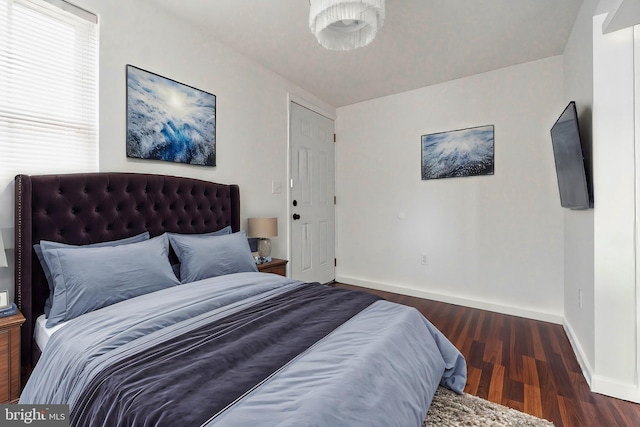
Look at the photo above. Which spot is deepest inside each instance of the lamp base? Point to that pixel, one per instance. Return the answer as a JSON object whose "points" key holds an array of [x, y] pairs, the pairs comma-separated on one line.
{"points": [[264, 250]]}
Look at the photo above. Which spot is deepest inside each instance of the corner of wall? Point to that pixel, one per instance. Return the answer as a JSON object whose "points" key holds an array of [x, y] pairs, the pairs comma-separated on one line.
{"points": [[579, 243], [583, 360]]}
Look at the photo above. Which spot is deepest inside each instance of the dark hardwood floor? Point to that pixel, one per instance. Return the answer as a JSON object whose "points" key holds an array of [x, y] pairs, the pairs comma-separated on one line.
{"points": [[525, 364]]}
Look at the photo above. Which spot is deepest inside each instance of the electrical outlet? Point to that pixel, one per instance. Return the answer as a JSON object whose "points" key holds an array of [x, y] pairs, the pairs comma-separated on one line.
{"points": [[579, 298], [425, 260]]}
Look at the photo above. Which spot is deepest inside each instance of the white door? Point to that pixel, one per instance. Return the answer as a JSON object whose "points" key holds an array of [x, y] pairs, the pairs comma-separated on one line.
{"points": [[312, 196]]}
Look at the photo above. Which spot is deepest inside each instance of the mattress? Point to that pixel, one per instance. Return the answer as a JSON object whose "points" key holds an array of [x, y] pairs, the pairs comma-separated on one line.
{"points": [[42, 334]]}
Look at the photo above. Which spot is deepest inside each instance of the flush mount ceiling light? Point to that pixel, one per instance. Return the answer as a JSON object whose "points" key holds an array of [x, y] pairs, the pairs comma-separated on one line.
{"points": [[345, 24]]}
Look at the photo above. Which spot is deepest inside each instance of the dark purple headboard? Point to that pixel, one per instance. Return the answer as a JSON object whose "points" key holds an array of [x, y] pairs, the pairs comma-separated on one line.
{"points": [[95, 207]]}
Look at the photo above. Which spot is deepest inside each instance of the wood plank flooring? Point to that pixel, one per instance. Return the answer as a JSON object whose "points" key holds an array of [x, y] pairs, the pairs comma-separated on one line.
{"points": [[525, 364]]}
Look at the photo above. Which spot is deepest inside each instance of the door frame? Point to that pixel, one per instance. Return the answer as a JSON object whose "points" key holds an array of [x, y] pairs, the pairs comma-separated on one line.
{"points": [[316, 109]]}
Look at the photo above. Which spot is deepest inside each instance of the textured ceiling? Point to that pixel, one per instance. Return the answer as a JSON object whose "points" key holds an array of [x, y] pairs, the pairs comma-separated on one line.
{"points": [[423, 42]]}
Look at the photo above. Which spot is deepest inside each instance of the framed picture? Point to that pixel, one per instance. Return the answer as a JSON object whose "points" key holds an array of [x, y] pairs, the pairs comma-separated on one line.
{"points": [[4, 299], [463, 152], [169, 121]]}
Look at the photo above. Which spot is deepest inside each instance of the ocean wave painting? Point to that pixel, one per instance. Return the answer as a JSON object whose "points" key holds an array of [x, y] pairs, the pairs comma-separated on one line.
{"points": [[464, 152], [169, 121]]}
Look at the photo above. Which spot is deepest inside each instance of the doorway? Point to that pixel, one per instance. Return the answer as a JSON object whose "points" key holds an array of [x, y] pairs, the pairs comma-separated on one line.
{"points": [[312, 195]]}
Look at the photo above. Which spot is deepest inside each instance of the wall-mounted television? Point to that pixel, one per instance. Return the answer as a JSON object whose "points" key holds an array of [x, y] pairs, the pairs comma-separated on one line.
{"points": [[569, 158]]}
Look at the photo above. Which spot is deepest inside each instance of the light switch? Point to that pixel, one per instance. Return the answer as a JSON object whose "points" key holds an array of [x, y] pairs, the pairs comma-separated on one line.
{"points": [[276, 187]]}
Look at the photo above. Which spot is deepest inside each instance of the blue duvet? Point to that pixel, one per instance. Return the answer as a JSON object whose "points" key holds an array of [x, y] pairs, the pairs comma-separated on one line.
{"points": [[379, 364]]}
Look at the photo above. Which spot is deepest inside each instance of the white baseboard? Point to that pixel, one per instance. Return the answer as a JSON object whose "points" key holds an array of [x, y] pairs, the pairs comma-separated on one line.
{"points": [[483, 305], [587, 370], [597, 383], [624, 391]]}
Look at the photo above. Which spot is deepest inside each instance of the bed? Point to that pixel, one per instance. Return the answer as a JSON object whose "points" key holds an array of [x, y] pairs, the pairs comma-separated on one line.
{"points": [[200, 337]]}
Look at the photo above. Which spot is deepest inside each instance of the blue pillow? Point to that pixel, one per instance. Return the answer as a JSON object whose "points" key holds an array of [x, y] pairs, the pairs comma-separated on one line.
{"points": [[222, 232], [56, 245], [204, 257], [87, 279]]}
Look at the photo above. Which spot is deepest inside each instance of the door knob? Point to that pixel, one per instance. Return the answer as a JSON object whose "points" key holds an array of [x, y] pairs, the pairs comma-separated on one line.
{"points": [[296, 216]]}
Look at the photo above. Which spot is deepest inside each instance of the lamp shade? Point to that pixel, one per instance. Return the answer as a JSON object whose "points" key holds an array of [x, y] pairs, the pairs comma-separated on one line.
{"points": [[3, 255], [262, 227], [346, 24]]}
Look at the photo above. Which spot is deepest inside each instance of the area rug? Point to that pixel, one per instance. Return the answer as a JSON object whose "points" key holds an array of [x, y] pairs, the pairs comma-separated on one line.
{"points": [[450, 409]]}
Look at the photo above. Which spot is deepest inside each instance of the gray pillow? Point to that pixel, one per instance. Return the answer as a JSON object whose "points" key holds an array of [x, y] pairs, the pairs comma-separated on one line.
{"points": [[204, 257], [222, 232], [57, 245], [87, 279]]}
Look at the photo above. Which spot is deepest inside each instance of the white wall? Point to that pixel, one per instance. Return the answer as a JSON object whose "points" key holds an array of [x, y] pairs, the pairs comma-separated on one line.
{"points": [[492, 242], [578, 225], [615, 222], [252, 118], [600, 253]]}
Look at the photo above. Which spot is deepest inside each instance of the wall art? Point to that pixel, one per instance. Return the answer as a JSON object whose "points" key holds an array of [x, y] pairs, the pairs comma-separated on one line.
{"points": [[168, 120], [463, 152]]}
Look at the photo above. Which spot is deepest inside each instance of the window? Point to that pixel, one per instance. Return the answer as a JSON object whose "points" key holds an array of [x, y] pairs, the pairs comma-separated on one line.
{"points": [[48, 88]]}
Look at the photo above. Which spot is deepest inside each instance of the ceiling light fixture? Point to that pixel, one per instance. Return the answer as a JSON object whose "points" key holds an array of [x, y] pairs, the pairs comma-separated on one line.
{"points": [[345, 24]]}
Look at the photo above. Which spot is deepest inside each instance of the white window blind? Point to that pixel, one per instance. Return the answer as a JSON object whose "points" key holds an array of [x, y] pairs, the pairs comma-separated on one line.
{"points": [[48, 90]]}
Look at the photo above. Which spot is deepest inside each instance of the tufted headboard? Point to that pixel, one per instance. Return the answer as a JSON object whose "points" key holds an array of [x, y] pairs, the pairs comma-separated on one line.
{"points": [[95, 207]]}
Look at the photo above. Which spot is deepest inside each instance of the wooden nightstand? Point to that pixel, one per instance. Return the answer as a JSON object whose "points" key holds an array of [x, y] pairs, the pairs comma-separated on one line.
{"points": [[276, 266], [10, 358]]}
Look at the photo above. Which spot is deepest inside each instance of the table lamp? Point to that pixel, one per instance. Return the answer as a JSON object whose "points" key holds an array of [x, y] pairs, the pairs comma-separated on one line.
{"points": [[263, 228]]}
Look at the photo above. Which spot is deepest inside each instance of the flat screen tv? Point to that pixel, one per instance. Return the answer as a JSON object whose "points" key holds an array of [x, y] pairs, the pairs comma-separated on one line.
{"points": [[570, 167]]}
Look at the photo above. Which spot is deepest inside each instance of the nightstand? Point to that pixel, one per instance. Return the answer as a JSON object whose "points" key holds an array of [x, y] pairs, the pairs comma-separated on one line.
{"points": [[276, 266], [10, 358]]}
